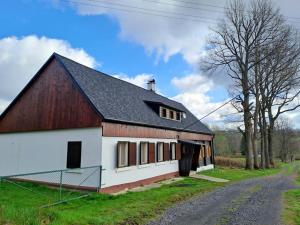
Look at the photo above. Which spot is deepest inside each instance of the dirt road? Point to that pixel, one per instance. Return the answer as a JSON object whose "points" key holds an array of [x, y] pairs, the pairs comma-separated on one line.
{"points": [[255, 201]]}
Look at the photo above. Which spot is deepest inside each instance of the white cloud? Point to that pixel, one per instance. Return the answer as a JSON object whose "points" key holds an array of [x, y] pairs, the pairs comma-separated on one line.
{"points": [[193, 82], [194, 95], [21, 58], [163, 28], [139, 80], [166, 28]]}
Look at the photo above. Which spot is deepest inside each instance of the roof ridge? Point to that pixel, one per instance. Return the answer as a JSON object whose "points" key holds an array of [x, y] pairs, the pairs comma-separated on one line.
{"points": [[112, 77]]}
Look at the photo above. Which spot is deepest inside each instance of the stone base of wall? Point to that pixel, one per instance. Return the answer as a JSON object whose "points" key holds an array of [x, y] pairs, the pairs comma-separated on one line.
{"points": [[120, 187]]}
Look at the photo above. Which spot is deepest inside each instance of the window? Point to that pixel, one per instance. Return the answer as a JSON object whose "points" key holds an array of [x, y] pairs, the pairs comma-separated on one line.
{"points": [[178, 116], [160, 152], [171, 114], [173, 151], [163, 112], [144, 153], [122, 154], [74, 154]]}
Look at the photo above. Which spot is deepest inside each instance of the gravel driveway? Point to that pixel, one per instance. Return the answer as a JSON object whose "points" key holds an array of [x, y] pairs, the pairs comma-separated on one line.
{"points": [[256, 201]]}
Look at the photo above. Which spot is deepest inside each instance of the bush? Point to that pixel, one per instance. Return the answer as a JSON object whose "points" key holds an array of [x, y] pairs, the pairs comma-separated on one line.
{"points": [[230, 162]]}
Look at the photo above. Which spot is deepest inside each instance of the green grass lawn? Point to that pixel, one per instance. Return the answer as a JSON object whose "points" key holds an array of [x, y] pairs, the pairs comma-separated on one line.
{"points": [[21, 207], [291, 214], [236, 174]]}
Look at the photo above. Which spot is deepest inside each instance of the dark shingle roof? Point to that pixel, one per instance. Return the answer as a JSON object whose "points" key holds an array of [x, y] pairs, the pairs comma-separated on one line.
{"points": [[118, 100]]}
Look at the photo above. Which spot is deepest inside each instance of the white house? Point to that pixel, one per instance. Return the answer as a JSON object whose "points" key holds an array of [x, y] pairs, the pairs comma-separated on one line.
{"points": [[71, 116]]}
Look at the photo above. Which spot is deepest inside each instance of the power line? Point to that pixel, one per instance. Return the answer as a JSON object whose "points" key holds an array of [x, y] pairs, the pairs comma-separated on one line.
{"points": [[221, 106], [131, 9], [153, 10], [160, 13], [224, 104], [217, 6], [183, 6]]}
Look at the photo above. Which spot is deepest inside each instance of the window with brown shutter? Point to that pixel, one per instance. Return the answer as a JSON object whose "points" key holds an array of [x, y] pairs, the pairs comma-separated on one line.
{"points": [[151, 153], [166, 151], [159, 151], [132, 154], [202, 149], [209, 150], [178, 151], [173, 151], [122, 154], [144, 155]]}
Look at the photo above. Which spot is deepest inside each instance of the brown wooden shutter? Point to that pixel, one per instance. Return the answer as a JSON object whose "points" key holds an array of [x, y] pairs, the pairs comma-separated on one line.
{"points": [[117, 153], [178, 151], [151, 152], [132, 154], [166, 151], [209, 151]]}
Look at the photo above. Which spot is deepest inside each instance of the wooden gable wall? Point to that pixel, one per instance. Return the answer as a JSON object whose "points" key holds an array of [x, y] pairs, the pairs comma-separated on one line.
{"points": [[52, 101]]}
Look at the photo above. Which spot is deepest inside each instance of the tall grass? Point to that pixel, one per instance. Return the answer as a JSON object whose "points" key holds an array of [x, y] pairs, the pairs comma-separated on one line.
{"points": [[230, 162]]}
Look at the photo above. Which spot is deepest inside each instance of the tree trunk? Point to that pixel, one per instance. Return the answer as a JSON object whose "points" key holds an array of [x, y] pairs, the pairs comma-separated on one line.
{"points": [[247, 122], [265, 137], [270, 142], [255, 155], [262, 152]]}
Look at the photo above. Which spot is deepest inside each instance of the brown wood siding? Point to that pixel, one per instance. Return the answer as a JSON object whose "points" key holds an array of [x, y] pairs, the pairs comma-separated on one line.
{"points": [[52, 101], [123, 130], [166, 151], [132, 154], [151, 152]]}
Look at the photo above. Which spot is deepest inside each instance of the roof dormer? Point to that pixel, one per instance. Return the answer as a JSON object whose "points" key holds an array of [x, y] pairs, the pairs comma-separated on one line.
{"points": [[171, 114]]}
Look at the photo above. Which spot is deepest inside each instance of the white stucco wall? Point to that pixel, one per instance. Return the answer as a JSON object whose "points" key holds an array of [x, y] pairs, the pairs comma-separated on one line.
{"points": [[113, 176], [27, 152]]}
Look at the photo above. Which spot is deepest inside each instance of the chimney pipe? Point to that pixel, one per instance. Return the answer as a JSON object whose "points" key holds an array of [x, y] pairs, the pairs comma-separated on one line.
{"points": [[151, 85]]}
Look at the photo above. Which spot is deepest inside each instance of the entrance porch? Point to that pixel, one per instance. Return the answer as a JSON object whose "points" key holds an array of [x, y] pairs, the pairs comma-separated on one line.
{"points": [[195, 156]]}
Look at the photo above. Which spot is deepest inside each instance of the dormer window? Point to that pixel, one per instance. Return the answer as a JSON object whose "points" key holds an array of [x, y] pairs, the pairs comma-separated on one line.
{"points": [[164, 113], [178, 116], [169, 113]]}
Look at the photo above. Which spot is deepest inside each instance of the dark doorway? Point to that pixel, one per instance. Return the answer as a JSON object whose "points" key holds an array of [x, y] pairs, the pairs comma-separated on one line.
{"points": [[196, 154], [185, 163]]}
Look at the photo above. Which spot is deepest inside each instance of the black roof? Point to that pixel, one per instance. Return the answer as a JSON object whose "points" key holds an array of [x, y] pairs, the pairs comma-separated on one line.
{"points": [[118, 100]]}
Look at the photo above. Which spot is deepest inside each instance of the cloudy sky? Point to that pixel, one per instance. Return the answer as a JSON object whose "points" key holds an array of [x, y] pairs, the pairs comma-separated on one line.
{"points": [[134, 40]]}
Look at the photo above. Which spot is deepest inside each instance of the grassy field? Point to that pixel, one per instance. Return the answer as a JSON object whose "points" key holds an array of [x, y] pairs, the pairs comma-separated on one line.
{"points": [[20, 207], [291, 214], [236, 174]]}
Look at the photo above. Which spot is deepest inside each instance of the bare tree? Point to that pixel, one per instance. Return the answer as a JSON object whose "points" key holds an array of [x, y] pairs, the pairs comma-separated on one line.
{"points": [[280, 81], [234, 46], [287, 141]]}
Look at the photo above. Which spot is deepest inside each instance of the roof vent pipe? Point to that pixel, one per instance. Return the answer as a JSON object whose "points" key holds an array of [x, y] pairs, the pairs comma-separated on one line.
{"points": [[151, 85]]}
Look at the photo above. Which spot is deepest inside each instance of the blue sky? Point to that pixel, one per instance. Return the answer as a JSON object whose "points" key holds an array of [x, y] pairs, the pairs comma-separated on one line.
{"points": [[97, 35], [133, 46]]}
